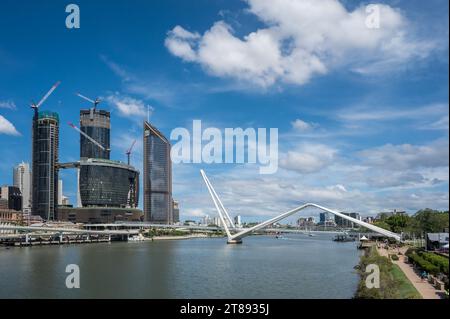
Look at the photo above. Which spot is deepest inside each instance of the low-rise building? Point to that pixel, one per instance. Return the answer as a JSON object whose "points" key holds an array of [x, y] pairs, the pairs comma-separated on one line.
{"points": [[387, 214], [11, 216], [99, 215], [436, 241]]}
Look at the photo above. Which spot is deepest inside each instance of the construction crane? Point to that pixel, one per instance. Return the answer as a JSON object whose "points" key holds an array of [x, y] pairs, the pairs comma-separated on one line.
{"points": [[94, 102], [36, 106], [88, 137], [128, 152]]}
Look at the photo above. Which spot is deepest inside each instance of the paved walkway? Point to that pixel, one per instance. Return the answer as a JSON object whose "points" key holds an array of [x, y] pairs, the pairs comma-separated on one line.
{"points": [[423, 287]]}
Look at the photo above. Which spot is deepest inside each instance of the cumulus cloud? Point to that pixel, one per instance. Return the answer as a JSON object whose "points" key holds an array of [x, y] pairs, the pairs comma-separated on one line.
{"points": [[308, 158], [302, 126], [6, 127], [401, 179], [129, 107], [408, 156], [300, 39]]}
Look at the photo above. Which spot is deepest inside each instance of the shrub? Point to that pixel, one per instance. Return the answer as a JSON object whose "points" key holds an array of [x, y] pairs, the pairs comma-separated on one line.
{"points": [[394, 257], [423, 264], [439, 261]]}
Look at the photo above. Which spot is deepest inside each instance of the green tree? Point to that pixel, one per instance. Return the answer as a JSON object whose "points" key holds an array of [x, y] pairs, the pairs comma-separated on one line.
{"points": [[398, 223], [431, 221], [382, 224]]}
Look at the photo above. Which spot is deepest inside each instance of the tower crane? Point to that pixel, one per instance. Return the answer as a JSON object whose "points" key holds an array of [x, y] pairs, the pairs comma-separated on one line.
{"points": [[128, 152], [88, 137], [36, 106], [94, 102]]}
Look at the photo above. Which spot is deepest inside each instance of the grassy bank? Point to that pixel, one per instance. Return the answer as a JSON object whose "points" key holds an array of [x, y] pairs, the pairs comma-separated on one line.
{"points": [[393, 282]]}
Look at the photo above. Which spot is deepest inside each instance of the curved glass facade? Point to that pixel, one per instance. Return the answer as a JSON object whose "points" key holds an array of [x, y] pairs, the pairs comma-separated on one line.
{"points": [[157, 177], [108, 184]]}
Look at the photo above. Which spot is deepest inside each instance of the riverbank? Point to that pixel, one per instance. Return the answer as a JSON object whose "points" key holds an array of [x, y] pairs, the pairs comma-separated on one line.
{"points": [[423, 287], [179, 237], [393, 283]]}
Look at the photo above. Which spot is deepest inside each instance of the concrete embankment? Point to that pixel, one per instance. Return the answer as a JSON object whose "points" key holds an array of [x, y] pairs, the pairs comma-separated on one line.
{"points": [[178, 237]]}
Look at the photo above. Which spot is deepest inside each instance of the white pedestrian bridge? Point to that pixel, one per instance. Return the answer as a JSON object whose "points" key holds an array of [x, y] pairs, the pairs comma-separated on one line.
{"points": [[236, 235]]}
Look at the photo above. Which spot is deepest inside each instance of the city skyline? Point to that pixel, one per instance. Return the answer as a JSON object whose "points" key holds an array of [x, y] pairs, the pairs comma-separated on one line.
{"points": [[377, 140]]}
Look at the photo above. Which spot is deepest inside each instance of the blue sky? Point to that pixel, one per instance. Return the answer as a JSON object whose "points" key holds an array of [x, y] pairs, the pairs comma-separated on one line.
{"points": [[362, 115]]}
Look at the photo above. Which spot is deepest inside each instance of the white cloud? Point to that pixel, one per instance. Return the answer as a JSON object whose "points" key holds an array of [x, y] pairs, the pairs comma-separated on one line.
{"points": [[441, 124], [408, 156], [129, 107], [401, 179], [179, 42], [301, 39], [8, 104], [6, 127], [117, 69], [302, 126], [308, 158], [358, 114]]}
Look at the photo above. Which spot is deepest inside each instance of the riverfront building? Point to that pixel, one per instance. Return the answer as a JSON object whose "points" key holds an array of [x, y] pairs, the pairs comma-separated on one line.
{"points": [[22, 180], [96, 124], [108, 190], [45, 157], [98, 215], [176, 212], [341, 222], [158, 206], [106, 183], [11, 198]]}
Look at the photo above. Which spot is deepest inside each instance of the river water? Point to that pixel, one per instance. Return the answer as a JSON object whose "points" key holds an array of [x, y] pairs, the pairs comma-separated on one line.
{"points": [[297, 266]]}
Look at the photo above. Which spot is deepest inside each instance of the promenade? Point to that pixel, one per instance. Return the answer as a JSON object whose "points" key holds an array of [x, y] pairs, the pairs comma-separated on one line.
{"points": [[426, 290]]}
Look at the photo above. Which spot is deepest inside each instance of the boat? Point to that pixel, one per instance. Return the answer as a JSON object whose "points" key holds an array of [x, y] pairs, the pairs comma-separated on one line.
{"points": [[136, 238], [308, 231], [343, 238]]}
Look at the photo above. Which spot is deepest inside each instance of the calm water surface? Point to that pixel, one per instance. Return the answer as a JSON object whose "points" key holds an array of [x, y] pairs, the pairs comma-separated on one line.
{"points": [[262, 267]]}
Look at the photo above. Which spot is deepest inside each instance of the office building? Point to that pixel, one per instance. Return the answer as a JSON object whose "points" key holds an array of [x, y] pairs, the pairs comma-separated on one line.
{"points": [[387, 214], [157, 177], [109, 192], [12, 198], [22, 180], [323, 217], [237, 221], [106, 183], [96, 124], [60, 192], [44, 172], [216, 221], [306, 221], [206, 220], [345, 223], [176, 212]]}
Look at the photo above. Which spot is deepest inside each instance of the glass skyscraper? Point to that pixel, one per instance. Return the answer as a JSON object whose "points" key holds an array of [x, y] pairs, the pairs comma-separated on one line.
{"points": [[96, 124], [158, 207], [45, 157]]}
